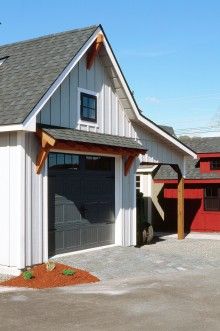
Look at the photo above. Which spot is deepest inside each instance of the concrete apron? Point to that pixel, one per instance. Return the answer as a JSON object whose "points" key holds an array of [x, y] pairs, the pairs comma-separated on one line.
{"points": [[191, 235]]}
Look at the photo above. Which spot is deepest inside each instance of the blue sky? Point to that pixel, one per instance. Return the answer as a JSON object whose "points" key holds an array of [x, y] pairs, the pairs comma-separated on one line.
{"points": [[168, 50]]}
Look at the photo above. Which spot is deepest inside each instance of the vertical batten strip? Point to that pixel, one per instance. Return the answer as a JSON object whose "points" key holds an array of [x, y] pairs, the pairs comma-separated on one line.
{"points": [[21, 189]]}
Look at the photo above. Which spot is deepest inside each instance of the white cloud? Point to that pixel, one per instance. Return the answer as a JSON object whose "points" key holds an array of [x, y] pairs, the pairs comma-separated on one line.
{"points": [[153, 100]]}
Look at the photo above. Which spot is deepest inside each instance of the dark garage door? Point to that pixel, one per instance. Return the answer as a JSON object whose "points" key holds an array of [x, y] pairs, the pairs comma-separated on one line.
{"points": [[81, 202]]}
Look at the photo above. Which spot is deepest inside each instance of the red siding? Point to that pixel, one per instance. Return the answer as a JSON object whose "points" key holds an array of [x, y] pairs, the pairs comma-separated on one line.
{"points": [[196, 218]]}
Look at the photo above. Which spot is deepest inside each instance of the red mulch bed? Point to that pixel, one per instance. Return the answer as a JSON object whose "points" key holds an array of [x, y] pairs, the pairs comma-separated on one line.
{"points": [[46, 279]]}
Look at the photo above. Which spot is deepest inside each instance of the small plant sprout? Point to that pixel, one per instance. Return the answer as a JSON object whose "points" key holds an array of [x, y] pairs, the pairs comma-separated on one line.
{"points": [[68, 272], [27, 274], [50, 265]]}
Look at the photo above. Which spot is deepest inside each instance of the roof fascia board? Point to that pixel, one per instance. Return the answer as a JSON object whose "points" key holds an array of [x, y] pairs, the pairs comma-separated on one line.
{"points": [[208, 155], [13, 127], [188, 181], [61, 78], [140, 118]]}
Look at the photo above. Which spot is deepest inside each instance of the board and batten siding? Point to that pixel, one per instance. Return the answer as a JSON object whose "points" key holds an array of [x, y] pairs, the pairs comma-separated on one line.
{"points": [[62, 109], [159, 150], [11, 196], [36, 200]]}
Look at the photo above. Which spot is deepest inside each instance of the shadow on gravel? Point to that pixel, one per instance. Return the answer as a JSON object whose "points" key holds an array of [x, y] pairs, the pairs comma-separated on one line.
{"points": [[154, 241]]}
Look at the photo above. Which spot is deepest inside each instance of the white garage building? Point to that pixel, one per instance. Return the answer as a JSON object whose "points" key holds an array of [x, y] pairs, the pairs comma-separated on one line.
{"points": [[71, 140]]}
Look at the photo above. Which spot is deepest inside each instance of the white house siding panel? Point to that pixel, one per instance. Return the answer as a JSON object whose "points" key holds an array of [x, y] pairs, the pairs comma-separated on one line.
{"points": [[64, 103], [158, 149], [55, 111], [63, 107], [35, 196], [4, 198], [129, 207], [11, 200]]}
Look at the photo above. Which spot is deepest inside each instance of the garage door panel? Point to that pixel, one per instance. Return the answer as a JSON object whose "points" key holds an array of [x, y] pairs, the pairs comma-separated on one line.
{"points": [[72, 238], [106, 234], [81, 208], [56, 241]]}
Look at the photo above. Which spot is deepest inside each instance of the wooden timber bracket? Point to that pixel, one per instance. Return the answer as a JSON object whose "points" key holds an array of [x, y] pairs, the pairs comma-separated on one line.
{"points": [[128, 163], [46, 143], [94, 50]]}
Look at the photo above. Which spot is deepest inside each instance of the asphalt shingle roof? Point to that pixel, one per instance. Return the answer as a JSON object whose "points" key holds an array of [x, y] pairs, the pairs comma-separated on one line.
{"points": [[31, 68], [199, 145], [168, 129], [92, 138], [203, 145]]}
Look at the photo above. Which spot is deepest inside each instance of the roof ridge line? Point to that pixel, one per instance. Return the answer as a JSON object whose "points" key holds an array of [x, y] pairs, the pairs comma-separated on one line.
{"points": [[49, 36]]}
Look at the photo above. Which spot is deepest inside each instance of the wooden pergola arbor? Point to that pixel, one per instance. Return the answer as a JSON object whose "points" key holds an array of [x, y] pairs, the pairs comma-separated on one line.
{"points": [[49, 143], [180, 197]]}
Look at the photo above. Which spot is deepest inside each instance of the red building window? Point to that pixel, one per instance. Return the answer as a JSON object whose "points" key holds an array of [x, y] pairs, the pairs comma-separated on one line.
{"points": [[215, 164], [212, 198]]}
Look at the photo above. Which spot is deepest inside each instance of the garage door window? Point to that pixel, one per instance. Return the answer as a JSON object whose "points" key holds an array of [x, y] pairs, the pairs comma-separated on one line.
{"points": [[98, 163], [61, 161]]}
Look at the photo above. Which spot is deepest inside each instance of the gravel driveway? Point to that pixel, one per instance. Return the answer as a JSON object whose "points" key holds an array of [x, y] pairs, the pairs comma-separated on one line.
{"points": [[164, 256], [170, 285]]}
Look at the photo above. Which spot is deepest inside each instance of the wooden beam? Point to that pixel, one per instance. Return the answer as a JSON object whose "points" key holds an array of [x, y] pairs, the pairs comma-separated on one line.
{"points": [[46, 143], [91, 148], [180, 208], [94, 50], [41, 157], [128, 164]]}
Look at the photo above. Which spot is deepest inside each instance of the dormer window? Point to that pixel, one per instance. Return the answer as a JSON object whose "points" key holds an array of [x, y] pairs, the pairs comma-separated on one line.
{"points": [[88, 107], [215, 164]]}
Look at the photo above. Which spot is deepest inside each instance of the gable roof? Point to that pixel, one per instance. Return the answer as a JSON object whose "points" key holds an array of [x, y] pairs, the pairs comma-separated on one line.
{"points": [[92, 137], [30, 69], [192, 170], [36, 68], [203, 145]]}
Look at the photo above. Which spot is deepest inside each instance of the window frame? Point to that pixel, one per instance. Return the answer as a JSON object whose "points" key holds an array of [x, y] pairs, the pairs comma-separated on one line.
{"points": [[215, 199], [80, 121], [217, 160]]}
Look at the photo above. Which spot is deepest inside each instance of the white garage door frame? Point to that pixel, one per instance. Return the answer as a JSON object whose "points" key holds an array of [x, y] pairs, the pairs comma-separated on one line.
{"points": [[118, 202]]}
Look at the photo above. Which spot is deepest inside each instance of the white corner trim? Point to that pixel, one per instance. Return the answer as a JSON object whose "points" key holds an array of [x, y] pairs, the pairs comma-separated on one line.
{"points": [[21, 170], [82, 122], [61, 77]]}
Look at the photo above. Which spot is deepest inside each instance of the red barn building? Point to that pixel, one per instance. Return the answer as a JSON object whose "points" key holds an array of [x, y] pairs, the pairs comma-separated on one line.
{"points": [[201, 190]]}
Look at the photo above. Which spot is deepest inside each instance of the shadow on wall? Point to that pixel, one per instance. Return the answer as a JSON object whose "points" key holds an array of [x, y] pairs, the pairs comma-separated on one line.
{"points": [[167, 222]]}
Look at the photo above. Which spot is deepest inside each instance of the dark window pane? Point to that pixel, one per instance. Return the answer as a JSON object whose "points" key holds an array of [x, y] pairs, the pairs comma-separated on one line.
{"points": [[91, 103], [52, 160], [68, 159], [212, 198], [60, 159], [63, 161], [215, 164], [98, 163], [88, 107]]}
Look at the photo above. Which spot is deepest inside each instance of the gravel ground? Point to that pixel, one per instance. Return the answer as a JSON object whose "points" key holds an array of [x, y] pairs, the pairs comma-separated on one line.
{"points": [[4, 277], [164, 256]]}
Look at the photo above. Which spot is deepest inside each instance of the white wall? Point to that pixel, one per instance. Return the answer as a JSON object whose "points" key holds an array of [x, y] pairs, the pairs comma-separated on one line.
{"points": [[159, 150], [11, 198], [36, 205]]}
